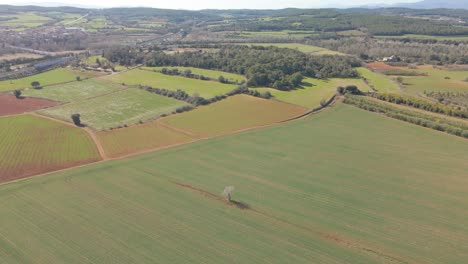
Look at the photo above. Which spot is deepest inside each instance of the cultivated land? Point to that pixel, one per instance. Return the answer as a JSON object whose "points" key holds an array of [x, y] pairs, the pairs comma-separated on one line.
{"points": [[10, 105], [207, 73], [380, 82], [31, 145], [125, 141], [343, 186], [300, 47], [206, 89], [73, 91], [313, 91], [437, 80], [233, 114], [117, 109], [60, 75]]}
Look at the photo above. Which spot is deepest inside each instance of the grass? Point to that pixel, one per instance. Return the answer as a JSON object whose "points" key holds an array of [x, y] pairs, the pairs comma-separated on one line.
{"points": [[206, 89], [380, 82], [344, 186], [30, 145], [300, 47], [24, 20], [72, 91], [208, 73], [285, 34], [233, 114], [313, 91], [139, 138], [436, 81], [117, 109], [59, 75]]}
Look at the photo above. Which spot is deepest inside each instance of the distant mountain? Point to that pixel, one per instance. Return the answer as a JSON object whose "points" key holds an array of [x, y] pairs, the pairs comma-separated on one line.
{"points": [[432, 4]]}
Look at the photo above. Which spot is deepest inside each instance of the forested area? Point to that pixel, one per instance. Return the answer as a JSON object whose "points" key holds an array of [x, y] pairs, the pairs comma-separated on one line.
{"points": [[282, 69], [332, 21], [411, 52]]}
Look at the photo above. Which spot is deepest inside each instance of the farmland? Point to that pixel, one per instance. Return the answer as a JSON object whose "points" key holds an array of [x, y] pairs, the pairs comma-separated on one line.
{"points": [[10, 105], [206, 89], [313, 91], [117, 109], [125, 141], [56, 76], [380, 82], [23, 20], [437, 80], [300, 47], [207, 73], [31, 145], [73, 91], [415, 36], [232, 114], [312, 194]]}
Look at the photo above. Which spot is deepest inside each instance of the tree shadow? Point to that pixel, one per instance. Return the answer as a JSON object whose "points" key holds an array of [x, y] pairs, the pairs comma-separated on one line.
{"points": [[240, 205]]}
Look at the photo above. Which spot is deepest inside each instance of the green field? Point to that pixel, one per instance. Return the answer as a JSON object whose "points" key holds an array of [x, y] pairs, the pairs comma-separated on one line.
{"points": [[436, 81], [343, 186], [300, 47], [59, 75], [24, 20], [414, 36], [117, 109], [313, 91], [232, 77], [233, 114], [30, 145], [206, 89], [285, 34], [72, 91], [125, 141], [380, 82]]}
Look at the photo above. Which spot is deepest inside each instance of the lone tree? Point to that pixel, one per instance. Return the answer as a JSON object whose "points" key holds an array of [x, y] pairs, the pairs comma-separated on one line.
{"points": [[228, 192], [78, 78], [17, 94], [76, 119], [221, 79], [36, 85]]}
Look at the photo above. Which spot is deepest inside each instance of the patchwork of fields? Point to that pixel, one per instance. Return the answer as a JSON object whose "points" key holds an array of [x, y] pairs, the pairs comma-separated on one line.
{"points": [[206, 89], [343, 186], [60, 75], [31, 145], [125, 107], [313, 91], [73, 91]]}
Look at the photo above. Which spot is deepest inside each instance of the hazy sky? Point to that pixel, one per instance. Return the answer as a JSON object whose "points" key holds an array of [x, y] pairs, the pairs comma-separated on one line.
{"points": [[215, 4]]}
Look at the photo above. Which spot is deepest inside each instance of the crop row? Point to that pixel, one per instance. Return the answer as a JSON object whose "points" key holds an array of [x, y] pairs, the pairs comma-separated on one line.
{"points": [[426, 120]]}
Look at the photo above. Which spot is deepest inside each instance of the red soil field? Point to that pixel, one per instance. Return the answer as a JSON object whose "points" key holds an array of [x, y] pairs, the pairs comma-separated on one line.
{"points": [[10, 105], [380, 66]]}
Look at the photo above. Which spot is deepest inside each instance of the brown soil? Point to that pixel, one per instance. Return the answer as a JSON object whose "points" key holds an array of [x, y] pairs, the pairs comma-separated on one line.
{"points": [[380, 66], [10, 105]]}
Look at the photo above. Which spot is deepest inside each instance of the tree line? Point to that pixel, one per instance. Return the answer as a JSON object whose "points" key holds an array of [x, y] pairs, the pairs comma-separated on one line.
{"points": [[426, 120]]}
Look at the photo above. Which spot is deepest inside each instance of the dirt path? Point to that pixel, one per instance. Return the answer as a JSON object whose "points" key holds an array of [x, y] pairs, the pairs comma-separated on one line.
{"points": [[90, 132], [98, 144]]}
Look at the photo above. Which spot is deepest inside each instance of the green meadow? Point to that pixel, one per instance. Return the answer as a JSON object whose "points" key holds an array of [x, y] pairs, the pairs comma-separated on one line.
{"points": [[342, 186], [116, 109], [206, 89], [232, 77], [379, 81], [313, 91], [72, 91], [59, 75]]}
